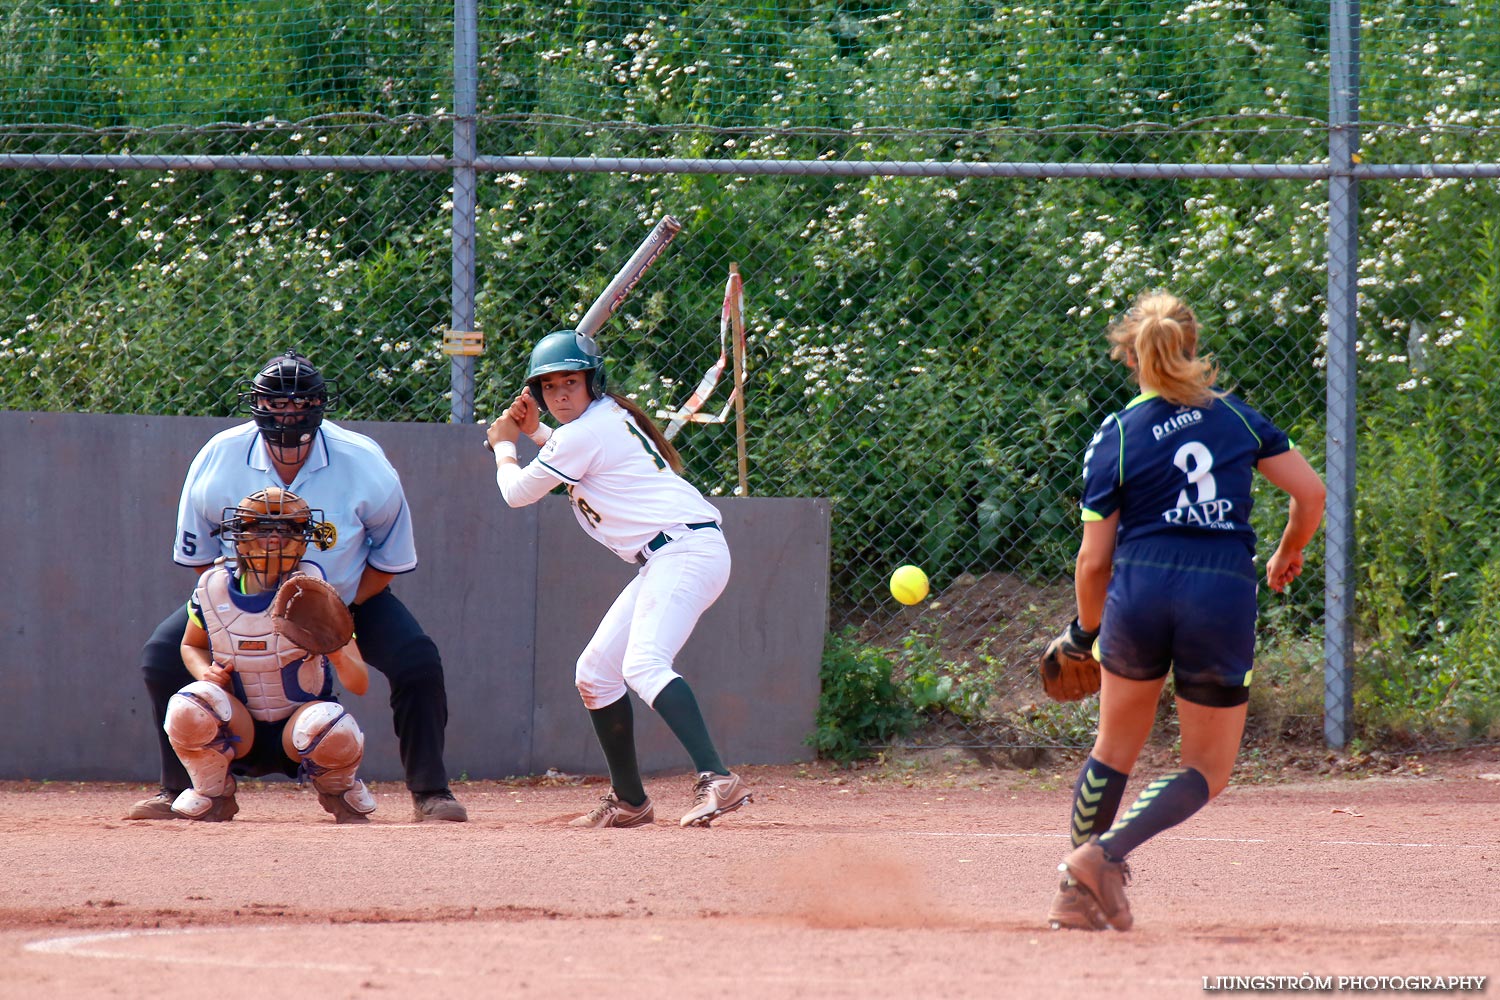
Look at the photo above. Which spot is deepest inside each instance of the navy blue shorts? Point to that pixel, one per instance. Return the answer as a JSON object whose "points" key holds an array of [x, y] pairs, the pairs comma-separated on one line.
{"points": [[1188, 606], [267, 755]]}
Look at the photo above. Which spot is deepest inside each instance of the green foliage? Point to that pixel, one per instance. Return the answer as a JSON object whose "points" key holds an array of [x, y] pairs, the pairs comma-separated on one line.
{"points": [[1430, 562], [872, 696], [1286, 692], [200, 62], [861, 704], [933, 684], [926, 353]]}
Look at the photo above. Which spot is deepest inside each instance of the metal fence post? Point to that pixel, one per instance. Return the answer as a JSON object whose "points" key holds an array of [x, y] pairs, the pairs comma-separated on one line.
{"points": [[465, 148], [1343, 315]]}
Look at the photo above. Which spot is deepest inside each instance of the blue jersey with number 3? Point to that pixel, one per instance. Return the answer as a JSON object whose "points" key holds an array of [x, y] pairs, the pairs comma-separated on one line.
{"points": [[1178, 470]]}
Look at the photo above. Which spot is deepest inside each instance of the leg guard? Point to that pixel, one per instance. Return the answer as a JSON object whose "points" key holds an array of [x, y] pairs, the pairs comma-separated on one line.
{"points": [[208, 728], [193, 804], [329, 744]]}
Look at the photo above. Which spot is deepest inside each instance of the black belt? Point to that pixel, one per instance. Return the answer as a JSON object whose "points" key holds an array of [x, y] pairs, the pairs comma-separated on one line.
{"points": [[663, 538]]}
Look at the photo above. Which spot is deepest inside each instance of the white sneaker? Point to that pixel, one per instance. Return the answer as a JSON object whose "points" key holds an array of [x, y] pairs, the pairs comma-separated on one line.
{"points": [[714, 795]]}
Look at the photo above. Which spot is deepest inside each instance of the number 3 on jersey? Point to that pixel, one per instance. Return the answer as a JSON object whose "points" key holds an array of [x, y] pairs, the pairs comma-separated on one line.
{"points": [[1197, 461]]}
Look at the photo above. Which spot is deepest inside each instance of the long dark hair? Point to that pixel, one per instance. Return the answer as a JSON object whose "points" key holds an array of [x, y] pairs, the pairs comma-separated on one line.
{"points": [[649, 428]]}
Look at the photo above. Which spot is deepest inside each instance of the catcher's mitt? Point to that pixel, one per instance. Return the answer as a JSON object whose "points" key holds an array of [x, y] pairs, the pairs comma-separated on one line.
{"points": [[1068, 668], [311, 614]]}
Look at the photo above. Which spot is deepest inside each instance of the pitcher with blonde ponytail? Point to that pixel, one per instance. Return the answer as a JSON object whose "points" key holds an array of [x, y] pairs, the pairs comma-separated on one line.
{"points": [[1165, 583]]}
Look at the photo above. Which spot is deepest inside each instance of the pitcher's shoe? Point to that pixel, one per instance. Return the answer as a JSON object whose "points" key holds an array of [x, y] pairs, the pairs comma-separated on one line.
{"points": [[1074, 909], [612, 812], [714, 795], [438, 805], [158, 806], [1103, 879]]}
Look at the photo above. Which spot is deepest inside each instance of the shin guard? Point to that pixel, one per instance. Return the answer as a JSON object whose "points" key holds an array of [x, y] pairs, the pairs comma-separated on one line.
{"points": [[208, 728]]}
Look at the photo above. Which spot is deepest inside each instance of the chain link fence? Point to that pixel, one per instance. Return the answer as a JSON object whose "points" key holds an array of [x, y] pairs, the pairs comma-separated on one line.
{"points": [[937, 209]]}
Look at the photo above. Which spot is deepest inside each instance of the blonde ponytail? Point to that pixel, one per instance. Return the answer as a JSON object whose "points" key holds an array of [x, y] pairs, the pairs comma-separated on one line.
{"points": [[1159, 334]]}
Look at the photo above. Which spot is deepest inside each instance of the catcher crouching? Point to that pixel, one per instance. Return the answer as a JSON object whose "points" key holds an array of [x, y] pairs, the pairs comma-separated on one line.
{"points": [[264, 639]]}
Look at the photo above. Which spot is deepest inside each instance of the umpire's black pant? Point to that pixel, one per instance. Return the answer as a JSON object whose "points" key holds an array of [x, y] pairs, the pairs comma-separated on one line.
{"points": [[391, 641]]}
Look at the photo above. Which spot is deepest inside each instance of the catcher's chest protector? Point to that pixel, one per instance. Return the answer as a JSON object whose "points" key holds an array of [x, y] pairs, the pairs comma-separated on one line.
{"points": [[271, 676]]}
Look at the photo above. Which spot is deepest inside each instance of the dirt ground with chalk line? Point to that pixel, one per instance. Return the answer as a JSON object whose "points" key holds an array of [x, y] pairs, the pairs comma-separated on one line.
{"points": [[930, 880]]}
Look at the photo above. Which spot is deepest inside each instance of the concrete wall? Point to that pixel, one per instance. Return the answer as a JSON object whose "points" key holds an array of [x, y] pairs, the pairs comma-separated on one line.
{"points": [[87, 514]]}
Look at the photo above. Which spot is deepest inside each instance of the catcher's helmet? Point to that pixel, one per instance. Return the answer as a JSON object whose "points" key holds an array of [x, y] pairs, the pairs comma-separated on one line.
{"points": [[272, 512], [565, 351], [288, 398]]}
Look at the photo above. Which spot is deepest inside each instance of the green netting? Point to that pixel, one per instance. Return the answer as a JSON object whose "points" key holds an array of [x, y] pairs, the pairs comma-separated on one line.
{"points": [[934, 64], [145, 63], [842, 65]]}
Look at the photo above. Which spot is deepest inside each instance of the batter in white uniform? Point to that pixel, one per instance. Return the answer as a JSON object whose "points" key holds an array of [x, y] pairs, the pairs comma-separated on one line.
{"points": [[622, 477]]}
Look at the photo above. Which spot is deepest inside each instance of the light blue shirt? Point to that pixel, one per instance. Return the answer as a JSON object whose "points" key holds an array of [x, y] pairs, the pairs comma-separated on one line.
{"points": [[346, 476]]}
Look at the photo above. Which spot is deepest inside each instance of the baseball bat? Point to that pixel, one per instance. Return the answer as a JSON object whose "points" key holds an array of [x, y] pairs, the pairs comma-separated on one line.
{"points": [[630, 275], [623, 283]]}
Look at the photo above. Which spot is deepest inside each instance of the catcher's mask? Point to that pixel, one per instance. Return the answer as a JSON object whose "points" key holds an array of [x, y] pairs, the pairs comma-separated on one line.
{"points": [[270, 530], [288, 398], [565, 351]]}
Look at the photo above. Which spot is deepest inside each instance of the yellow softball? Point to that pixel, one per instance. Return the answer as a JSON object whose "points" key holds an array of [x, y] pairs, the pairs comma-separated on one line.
{"points": [[909, 585]]}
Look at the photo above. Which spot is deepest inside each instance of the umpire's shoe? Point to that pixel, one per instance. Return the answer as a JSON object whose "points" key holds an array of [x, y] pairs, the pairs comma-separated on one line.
{"points": [[714, 795], [438, 805], [158, 806]]}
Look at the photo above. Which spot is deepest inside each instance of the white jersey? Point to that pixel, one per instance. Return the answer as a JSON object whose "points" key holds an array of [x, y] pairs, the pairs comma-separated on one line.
{"points": [[346, 476], [271, 675], [623, 492]]}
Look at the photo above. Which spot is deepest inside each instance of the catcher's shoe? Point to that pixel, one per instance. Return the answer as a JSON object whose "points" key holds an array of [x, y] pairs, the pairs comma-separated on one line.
{"points": [[714, 795], [612, 812], [1075, 909], [1104, 880], [353, 806], [158, 806], [200, 808], [438, 805]]}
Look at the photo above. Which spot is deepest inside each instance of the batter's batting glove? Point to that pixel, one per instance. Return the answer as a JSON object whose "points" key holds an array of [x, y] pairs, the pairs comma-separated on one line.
{"points": [[1068, 669]]}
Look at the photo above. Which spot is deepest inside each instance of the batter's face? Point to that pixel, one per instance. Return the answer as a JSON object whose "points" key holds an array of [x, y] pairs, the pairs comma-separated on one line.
{"points": [[566, 394]]}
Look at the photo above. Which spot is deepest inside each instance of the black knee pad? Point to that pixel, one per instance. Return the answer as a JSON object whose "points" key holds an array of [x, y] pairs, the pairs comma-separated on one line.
{"points": [[1214, 695]]}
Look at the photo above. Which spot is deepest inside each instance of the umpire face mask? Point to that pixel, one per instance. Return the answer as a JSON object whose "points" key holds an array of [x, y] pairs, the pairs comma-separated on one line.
{"points": [[288, 424], [288, 398]]}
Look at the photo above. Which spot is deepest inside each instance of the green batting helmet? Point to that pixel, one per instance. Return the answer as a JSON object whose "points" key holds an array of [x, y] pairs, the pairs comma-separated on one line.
{"points": [[565, 351]]}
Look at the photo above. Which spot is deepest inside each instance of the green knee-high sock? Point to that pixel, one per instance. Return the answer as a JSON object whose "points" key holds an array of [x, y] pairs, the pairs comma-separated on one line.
{"points": [[1163, 804], [679, 710], [614, 724], [1096, 799]]}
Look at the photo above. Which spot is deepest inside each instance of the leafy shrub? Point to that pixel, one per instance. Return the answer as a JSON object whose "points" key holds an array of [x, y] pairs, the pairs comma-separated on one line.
{"points": [[862, 704]]}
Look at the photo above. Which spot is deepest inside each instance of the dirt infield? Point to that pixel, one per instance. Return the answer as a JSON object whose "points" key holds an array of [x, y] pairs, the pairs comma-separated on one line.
{"points": [[926, 881]]}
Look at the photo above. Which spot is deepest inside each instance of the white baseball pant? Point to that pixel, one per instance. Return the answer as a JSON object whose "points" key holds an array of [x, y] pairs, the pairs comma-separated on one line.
{"points": [[640, 636]]}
